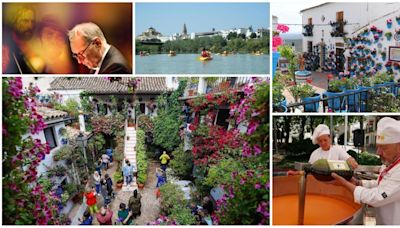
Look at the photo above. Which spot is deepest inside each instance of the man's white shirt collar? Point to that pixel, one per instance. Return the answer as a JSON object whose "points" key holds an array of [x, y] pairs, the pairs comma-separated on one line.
{"points": [[102, 58]]}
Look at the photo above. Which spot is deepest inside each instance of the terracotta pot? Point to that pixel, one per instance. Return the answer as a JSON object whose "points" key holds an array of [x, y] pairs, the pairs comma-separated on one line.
{"points": [[119, 185], [140, 186]]}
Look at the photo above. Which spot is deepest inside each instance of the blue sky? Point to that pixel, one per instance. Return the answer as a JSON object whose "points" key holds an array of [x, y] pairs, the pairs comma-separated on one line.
{"points": [[168, 18]]}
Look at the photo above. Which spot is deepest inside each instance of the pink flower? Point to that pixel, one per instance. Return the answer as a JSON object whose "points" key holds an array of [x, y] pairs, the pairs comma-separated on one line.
{"points": [[283, 28], [242, 181], [234, 175], [257, 149], [276, 42], [246, 151], [15, 87], [257, 186], [389, 21], [252, 127], [250, 173]]}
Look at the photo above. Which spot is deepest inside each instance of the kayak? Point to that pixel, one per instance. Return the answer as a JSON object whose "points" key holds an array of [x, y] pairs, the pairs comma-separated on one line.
{"points": [[205, 58]]}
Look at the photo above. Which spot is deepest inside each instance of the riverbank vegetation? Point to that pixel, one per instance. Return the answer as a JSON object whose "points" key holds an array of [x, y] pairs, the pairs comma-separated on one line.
{"points": [[215, 44]]}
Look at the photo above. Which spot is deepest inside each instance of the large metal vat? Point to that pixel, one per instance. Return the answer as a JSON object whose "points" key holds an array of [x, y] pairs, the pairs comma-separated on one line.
{"points": [[325, 204]]}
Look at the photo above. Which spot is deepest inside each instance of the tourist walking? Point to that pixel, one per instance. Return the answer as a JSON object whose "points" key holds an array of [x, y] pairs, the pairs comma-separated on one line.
{"points": [[104, 217], [161, 178], [109, 184], [127, 172], [135, 204], [104, 192], [99, 166], [164, 160], [91, 200], [105, 159], [97, 178], [109, 152], [124, 215], [87, 219]]}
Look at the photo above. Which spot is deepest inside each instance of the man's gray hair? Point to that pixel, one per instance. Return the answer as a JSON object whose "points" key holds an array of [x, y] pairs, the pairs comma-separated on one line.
{"points": [[88, 31]]}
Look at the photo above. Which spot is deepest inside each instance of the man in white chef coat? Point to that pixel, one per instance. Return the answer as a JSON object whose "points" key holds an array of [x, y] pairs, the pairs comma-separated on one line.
{"points": [[383, 193]]}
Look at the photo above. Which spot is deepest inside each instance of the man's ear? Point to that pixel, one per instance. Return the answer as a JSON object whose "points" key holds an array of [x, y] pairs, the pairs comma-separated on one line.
{"points": [[98, 42]]}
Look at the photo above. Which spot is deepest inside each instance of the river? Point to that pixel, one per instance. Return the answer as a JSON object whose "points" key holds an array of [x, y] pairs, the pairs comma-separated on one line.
{"points": [[189, 64]]}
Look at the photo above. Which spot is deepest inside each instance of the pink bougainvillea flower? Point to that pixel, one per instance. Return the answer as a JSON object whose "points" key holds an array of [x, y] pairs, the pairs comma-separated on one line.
{"points": [[282, 28], [276, 42], [252, 127], [250, 173], [257, 149], [257, 186]]}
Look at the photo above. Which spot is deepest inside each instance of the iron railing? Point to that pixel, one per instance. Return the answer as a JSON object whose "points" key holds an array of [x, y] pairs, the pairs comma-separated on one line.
{"points": [[348, 101]]}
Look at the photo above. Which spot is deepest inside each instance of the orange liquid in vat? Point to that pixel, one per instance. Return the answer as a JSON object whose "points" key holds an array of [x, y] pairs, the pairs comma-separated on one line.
{"points": [[319, 210]]}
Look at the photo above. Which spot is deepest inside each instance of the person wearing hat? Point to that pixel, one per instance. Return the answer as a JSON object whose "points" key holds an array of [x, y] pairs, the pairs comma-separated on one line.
{"points": [[326, 150], [322, 137], [383, 193]]}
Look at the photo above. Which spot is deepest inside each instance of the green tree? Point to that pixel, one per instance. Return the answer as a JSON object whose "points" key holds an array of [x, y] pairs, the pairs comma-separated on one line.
{"points": [[168, 121]]}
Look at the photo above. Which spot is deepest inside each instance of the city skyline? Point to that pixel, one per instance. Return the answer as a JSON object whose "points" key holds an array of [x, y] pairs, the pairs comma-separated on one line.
{"points": [[235, 15]]}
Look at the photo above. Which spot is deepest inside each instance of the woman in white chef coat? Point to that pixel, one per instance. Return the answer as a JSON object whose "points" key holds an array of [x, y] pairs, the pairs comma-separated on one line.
{"points": [[383, 193], [322, 137]]}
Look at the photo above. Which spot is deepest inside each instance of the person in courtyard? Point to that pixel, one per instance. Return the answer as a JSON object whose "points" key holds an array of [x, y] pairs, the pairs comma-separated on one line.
{"points": [[99, 166], [164, 160], [104, 192], [109, 184], [205, 53], [97, 178], [127, 172], [105, 159], [161, 179], [322, 137], [104, 217], [135, 204], [90, 48], [91, 200], [207, 205], [109, 152], [87, 219], [384, 193], [124, 215]]}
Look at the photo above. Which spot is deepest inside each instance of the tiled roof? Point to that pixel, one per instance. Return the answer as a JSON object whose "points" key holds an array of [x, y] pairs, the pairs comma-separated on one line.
{"points": [[99, 85], [49, 113]]}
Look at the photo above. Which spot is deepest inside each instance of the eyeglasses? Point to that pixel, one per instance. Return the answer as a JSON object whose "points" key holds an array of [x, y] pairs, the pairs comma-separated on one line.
{"points": [[80, 54]]}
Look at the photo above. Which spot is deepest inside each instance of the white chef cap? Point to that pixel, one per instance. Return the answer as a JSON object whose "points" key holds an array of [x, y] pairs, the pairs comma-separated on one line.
{"points": [[388, 131], [321, 129]]}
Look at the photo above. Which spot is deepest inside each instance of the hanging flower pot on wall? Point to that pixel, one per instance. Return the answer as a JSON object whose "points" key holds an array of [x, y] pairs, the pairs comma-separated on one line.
{"points": [[389, 23]]}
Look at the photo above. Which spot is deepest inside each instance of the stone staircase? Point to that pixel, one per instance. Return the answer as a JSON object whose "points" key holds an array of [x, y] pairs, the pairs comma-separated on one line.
{"points": [[130, 154]]}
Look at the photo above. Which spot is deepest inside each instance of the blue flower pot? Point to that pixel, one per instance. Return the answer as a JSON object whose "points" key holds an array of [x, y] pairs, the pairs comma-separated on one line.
{"points": [[312, 107], [353, 101], [364, 94], [275, 58], [333, 103], [389, 25]]}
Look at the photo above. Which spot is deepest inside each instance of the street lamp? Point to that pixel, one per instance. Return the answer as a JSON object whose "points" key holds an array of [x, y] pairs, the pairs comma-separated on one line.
{"points": [[81, 140]]}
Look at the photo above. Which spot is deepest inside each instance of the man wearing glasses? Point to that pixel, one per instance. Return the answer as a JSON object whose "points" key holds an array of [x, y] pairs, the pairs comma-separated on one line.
{"points": [[90, 48]]}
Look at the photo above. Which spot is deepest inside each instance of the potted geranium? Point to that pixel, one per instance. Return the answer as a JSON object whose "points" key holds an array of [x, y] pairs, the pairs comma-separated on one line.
{"points": [[335, 88], [389, 23], [141, 179], [388, 35], [119, 179], [351, 89]]}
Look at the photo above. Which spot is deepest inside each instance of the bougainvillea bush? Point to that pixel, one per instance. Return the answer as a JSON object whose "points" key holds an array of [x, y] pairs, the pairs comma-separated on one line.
{"points": [[25, 201], [236, 160]]}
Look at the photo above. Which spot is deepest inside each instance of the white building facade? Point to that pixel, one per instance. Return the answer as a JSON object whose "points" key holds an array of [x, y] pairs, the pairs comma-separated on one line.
{"points": [[332, 23]]}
